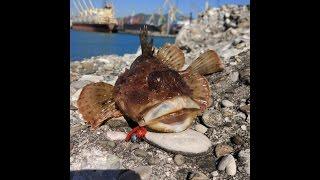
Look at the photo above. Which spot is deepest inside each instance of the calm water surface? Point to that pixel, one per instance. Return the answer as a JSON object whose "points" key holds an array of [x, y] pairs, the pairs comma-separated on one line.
{"points": [[88, 44]]}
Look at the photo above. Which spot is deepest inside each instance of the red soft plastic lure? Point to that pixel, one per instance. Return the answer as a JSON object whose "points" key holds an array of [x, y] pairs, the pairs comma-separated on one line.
{"points": [[139, 131]]}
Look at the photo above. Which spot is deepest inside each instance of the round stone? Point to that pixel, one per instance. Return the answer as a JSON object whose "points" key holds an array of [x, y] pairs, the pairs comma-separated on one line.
{"points": [[179, 159], [223, 149]]}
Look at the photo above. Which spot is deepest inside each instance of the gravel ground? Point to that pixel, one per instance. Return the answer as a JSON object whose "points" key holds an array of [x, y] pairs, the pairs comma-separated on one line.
{"points": [[227, 123]]}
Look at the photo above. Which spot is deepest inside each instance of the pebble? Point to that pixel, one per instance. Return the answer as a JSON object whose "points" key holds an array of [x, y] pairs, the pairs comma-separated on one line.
{"points": [[234, 76], [241, 115], [153, 160], [141, 173], [212, 118], [244, 127], [245, 109], [237, 140], [201, 128], [223, 149], [198, 176], [179, 159], [116, 135], [215, 173], [227, 119], [186, 142], [228, 163], [108, 143], [227, 103], [140, 153]]}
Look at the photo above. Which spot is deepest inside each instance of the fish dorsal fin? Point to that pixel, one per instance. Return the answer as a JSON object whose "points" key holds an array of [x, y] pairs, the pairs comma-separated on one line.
{"points": [[172, 56], [201, 91], [96, 103], [207, 63], [146, 43]]}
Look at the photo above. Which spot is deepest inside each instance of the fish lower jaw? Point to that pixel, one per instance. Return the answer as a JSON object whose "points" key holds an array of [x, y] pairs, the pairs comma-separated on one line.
{"points": [[168, 107]]}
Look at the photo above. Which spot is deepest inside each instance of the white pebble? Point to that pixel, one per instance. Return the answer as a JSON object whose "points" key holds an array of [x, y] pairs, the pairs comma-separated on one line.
{"points": [[227, 103], [229, 164], [244, 127], [215, 173], [227, 119], [201, 128]]}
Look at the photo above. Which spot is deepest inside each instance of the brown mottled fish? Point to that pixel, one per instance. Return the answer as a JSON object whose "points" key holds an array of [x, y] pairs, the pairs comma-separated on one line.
{"points": [[154, 92]]}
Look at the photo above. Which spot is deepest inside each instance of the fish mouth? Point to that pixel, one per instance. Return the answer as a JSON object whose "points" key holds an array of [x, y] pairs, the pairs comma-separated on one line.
{"points": [[167, 107]]}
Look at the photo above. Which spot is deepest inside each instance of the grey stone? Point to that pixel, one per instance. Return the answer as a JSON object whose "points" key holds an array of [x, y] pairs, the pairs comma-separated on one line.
{"points": [[245, 109], [223, 149], [234, 76], [153, 161], [140, 153], [237, 140], [227, 103], [107, 143], [179, 159], [212, 118], [198, 176]]}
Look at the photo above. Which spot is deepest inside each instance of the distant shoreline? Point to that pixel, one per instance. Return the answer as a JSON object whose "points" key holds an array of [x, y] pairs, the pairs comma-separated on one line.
{"points": [[156, 34]]}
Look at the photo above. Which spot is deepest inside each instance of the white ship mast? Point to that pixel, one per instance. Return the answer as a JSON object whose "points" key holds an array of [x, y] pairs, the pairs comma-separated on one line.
{"points": [[91, 4], [85, 4], [75, 4], [82, 9]]}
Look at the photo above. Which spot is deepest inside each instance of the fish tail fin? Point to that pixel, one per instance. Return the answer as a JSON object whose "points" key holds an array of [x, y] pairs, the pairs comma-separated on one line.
{"points": [[146, 42], [96, 104], [207, 63]]}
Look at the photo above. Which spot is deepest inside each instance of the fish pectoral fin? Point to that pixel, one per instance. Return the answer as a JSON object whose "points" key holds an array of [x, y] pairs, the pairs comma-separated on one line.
{"points": [[207, 63], [201, 91], [96, 104], [172, 56]]}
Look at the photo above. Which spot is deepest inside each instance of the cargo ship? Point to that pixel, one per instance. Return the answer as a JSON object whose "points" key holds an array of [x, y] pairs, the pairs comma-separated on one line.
{"points": [[94, 19]]}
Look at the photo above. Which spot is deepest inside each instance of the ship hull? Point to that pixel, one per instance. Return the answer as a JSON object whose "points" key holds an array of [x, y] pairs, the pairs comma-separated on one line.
{"points": [[137, 27], [108, 28]]}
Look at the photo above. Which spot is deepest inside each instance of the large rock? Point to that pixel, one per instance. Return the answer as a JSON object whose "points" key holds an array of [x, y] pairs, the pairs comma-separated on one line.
{"points": [[188, 142]]}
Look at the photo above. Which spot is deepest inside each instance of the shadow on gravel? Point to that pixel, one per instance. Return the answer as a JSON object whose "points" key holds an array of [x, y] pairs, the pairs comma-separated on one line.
{"points": [[123, 174]]}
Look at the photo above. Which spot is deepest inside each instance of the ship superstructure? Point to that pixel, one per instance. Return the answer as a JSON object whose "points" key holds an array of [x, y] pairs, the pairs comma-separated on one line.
{"points": [[90, 18]]}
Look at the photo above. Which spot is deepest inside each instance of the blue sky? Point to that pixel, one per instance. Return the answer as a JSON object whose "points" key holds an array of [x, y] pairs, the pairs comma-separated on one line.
{"points": [[126, 7]]}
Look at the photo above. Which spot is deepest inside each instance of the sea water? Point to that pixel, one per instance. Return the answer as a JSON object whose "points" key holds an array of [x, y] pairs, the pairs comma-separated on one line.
{"points": [[88, 44]]}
